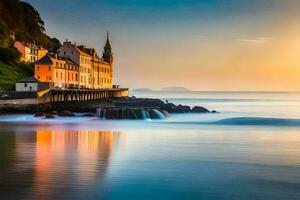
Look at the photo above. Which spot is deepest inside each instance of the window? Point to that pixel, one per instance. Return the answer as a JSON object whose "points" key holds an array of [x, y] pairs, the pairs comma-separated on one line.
{"points": [[37, 68], [25, 84], [64, 52], [49, 68], [56, 74], [38, 77]]}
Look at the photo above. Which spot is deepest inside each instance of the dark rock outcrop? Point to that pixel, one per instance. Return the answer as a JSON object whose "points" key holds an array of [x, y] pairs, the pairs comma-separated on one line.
{"points": [[199, 109], [39, 114], [49, 116], [88, 115], [66, 113]]}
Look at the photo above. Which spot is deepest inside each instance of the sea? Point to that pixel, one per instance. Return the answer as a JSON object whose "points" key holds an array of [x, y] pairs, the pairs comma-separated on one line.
{"points": [[249, 149]]}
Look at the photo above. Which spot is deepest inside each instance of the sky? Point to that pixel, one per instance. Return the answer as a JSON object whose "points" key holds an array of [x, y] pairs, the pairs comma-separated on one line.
{"points": [[203, 45]]}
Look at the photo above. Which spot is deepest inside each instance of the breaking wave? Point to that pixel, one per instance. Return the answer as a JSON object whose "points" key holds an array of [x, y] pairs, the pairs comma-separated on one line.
{"points": [[256, 121]]}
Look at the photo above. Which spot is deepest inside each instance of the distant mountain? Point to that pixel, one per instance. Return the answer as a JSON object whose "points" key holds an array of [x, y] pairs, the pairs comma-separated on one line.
{"points": [[142, 90], [175, 89]]}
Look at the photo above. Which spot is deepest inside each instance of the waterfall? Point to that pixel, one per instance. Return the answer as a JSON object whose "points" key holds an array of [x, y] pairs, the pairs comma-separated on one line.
{"points": [[148, 115], [145, 114], [98, 112], [159, 114], [101, 113], [104, 113], [129, 113]]}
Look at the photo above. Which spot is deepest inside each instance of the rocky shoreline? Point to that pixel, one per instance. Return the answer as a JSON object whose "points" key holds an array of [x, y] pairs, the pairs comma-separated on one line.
{"points": [[118, 108]]}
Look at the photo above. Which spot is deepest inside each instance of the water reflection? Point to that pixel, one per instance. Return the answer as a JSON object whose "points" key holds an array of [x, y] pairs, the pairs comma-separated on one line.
{"points": [[41, 164]]}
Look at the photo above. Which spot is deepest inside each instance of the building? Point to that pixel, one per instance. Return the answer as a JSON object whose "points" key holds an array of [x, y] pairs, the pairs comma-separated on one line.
{"points": [[94, 72], [30, 84], [75, 66], [29, 51], [59, 72]]}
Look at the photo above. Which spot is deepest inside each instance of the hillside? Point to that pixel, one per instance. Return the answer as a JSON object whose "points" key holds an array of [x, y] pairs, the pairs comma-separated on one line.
{"points": [[19, 21], [9, 74]]}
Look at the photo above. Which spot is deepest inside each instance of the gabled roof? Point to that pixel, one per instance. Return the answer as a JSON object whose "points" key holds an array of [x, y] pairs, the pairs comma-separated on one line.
{"points": [[83, 50], [71, 62], [44, 60], [28, 44], [31, 79]]}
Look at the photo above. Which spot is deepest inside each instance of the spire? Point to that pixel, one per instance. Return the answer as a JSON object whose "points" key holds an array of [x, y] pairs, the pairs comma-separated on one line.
{"points": [[107, 44], [107, 55]]}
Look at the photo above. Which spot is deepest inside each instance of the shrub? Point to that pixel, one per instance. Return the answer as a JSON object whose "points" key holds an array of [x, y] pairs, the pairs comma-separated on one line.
{"points": [[9, 55]]}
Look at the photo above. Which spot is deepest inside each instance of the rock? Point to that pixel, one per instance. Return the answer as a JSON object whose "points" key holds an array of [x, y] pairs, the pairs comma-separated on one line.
{"points": [[214, 111], [39, 114], [88, 115], [66, 113], [171, 108], [139, 102], [199, 109], [49, 116], [54, 112]]}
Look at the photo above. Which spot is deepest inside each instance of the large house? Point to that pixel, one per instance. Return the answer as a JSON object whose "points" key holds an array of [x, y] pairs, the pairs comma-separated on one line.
{"points": [[76, 67], [60, 72], [29, 51]]}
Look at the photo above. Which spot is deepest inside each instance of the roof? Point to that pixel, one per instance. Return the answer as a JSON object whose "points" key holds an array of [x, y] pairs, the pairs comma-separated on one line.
{"points": [[31, 79], [44, 60], [83, 50], [30, 45], [47, 59], [70, 61], [107, 44]]}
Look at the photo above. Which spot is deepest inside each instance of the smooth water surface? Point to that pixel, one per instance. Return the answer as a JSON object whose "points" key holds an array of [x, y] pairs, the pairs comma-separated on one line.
{"points": [[185, 156]]}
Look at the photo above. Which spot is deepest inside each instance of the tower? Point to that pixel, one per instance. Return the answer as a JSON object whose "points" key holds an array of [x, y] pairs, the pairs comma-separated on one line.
{"points": [[107, 55]]}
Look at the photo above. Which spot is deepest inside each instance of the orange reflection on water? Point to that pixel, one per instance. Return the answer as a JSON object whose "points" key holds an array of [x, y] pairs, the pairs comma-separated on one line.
{"points": [[76, 157]]}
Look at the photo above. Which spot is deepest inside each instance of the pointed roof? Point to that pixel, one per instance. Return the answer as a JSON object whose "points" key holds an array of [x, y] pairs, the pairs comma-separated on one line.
{"points": [[107, 44], [45, 60]]}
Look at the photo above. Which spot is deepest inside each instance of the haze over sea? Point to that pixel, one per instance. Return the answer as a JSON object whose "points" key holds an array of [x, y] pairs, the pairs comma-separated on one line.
{"points": [[249, 150]]}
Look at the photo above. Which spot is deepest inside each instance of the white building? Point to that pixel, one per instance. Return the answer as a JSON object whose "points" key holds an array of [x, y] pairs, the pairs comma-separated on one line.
{"points": [[30, 84]]}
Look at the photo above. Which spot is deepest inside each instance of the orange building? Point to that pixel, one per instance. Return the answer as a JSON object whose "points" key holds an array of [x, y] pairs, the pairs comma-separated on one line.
{"points": [[60, 72], [94, 72], [29, 51], [76, 67]]}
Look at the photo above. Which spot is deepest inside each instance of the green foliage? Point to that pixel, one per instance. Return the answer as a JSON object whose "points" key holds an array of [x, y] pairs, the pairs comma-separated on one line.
{"points": [[22, 20], [10, 74], [9, 55], [19, 21]]}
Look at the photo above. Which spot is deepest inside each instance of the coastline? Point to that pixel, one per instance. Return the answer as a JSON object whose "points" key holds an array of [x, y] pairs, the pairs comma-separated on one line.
{"points": [[113, 108]]}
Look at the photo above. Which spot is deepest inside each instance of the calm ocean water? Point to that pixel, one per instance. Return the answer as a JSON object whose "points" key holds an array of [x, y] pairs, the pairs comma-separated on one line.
{"points": [[250, 150]]}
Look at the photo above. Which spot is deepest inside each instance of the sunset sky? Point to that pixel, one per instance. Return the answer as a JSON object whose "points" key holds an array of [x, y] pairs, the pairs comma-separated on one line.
{"points": [[198, 44]]}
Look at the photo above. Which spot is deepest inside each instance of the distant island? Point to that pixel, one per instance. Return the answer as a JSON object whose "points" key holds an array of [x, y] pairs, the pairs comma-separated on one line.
{"points": [[165, 89], [175, 89]]}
